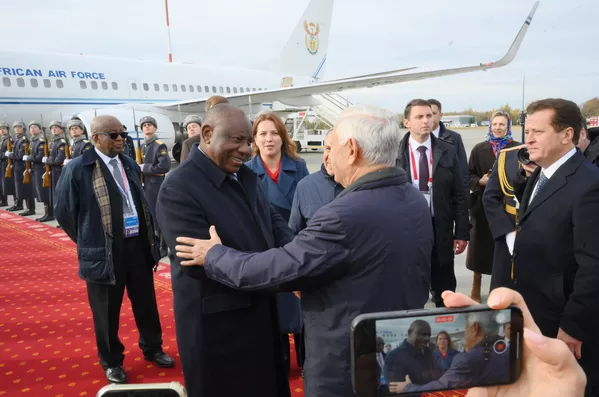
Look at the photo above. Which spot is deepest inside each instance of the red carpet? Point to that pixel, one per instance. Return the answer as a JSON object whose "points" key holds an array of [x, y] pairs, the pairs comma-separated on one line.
{"points": [[47, 344]]}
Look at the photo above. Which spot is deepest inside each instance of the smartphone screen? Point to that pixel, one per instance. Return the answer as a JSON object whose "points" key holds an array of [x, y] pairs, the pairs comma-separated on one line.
{"points": [[440, 351]]}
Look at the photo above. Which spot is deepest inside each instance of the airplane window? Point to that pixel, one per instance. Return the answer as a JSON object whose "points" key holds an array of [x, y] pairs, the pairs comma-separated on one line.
{"points": [[213, 89], [240, 89], [253, 89], [221, 89], [134, 86], [146, 87], [156, 87], [235, 90], [190, 88], [115, 85], [34, 83], [206, 88], [228, 90], [94, 85], [175, 88], [20, 82], [104, 85], [165, 87], [82, 84], [247, 89], [199, 88], [6, 81], [183, 88], [59, 83], [47, 83]]}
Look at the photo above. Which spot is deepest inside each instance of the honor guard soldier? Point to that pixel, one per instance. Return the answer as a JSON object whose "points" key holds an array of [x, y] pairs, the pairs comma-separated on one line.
{"points": [[155, 164], [58, 150], [79, 144], [7, 186], [37, 153], [21, 172], [501, 208]]}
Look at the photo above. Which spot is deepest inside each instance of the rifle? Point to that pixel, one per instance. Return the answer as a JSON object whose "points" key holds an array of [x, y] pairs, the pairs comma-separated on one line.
{"points": [[9, 147], [67, 149], [46, 176], [27, 173], [138, 157]]}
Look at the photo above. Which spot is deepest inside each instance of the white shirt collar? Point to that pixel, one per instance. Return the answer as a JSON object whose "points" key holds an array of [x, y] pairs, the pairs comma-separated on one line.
{"points": [[549, 171], [437, 131], [415, 144], [107, 159]]}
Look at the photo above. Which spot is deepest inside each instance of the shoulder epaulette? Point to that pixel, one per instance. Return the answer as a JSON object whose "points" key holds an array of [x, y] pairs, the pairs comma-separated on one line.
{"points": [[42, 140], [86, 141], [158, 141], [62, 140]]}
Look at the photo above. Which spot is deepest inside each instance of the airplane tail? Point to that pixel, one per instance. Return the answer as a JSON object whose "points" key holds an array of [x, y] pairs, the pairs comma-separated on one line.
{"points": [[306, 50]]}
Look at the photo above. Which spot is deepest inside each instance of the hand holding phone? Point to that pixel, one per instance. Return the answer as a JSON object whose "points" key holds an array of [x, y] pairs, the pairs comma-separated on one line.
{"points": [[549, 369]]}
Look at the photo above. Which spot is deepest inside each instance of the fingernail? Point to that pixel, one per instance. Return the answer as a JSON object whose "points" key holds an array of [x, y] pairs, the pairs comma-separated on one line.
{"points": [[534, 337], [493, 301]]}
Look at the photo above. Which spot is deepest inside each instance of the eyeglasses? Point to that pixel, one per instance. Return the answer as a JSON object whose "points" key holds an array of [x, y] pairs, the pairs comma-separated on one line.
{"points": [[114, 135]]}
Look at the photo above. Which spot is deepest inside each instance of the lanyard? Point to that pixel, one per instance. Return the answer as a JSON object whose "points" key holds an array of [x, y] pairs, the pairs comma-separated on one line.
{"points": [[125, 192], [415, 170]]}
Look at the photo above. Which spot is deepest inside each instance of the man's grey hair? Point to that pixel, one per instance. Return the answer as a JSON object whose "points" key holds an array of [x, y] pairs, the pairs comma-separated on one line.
{"points": [[376, 130], [485, 320]]}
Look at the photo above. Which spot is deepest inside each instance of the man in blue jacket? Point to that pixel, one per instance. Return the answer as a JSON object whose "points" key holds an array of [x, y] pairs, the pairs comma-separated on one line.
{"points": [[101, 206], [367, 251]]}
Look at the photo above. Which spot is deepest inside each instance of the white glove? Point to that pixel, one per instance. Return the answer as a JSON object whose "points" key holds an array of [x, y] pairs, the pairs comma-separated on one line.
{"points": [[66, 161], [26, 158], [510, 239], [7, 153], [44, 159]]}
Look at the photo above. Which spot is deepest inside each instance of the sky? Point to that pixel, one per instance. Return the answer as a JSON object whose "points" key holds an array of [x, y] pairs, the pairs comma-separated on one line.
{"points": [[557, 58]]}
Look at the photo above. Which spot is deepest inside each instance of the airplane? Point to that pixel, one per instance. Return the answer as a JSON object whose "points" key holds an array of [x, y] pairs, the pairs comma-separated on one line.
{"points": [[50, 86]]}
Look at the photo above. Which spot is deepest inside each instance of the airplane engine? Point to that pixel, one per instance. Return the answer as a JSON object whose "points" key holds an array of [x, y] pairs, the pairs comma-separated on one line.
{"points": [[168, 131]]}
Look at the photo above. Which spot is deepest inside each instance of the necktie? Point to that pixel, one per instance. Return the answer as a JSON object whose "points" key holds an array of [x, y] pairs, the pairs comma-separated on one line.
{"points": [[542, 180], [118, 177], [423, 175]]}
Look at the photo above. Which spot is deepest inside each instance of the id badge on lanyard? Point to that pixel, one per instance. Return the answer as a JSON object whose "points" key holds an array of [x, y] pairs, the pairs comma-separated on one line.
{"points": [[130, 218]]}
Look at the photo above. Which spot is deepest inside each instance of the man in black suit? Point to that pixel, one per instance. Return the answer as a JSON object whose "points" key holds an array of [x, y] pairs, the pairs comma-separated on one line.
{"points": [[451, 137], [440, 180], [229, 340], [556, 252], [99, 202]]}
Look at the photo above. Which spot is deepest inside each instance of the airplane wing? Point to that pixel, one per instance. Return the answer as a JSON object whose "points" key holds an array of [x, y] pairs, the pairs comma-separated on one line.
{"points": [[301, 95]]}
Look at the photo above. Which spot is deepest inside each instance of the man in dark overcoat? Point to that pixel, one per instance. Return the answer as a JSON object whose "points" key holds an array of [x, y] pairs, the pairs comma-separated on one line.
{"points": [[432, 165], [228, 340]]}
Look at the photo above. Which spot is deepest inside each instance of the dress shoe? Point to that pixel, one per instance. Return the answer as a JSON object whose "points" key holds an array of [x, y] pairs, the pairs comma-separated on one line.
{"points": [[161, 358], [116, 375]]}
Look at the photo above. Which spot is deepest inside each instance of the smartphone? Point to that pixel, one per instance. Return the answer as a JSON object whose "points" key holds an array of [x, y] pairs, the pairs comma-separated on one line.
{"points": [[427, 351], [172, 389]]}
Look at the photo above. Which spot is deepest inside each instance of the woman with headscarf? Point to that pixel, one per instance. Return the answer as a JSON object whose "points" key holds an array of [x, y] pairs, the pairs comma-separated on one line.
{"points": [[479, 257]]}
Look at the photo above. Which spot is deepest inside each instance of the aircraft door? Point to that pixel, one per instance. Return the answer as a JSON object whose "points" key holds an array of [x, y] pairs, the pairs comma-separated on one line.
{"points": [[134, 89]]}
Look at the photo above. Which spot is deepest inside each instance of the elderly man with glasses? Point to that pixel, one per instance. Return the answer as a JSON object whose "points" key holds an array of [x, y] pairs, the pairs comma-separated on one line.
{"points": [[100, 204]]}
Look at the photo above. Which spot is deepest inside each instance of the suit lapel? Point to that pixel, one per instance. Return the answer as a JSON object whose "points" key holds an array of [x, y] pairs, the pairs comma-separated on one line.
{"points": [[555, 183], [438, 150], [403, 159]]}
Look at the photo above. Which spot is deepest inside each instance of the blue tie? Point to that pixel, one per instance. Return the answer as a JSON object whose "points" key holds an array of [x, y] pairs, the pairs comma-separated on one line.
{"points": [[542, 181]]}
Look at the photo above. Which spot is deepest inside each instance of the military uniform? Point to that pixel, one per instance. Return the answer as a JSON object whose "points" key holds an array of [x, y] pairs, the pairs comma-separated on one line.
{"points": [[7, 186], [155, 164], [38, 148], [79, 145], [57, 157], [24, 191], [501, 208]]}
